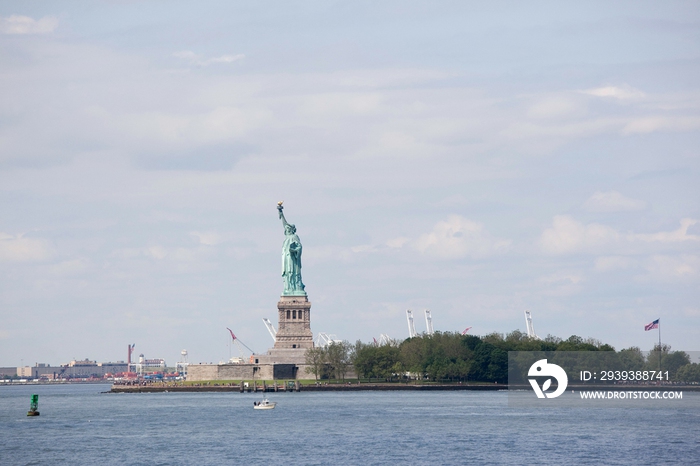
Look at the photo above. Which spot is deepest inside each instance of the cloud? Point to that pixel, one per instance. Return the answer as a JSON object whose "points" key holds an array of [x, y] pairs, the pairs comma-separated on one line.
{"points": [[556, 106], [567, 236], [659, 123], [207, 238], [161, 253], [17, 24], [612, 201], [544, 137], [185, 131], [562, 283], [458, 237], [665, 268], [624, 92], [20, 249], [570, 236], [363, 248], [397, 243], [348, 103], [157, 252], [175, 254], [332, 253], [561, 277], [70, 267], [608, 263], [195, 59], [681, 234]]}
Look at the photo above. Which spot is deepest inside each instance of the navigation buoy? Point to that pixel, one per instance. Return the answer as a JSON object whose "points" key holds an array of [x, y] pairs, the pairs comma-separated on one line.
{"points": [[33, 406]]}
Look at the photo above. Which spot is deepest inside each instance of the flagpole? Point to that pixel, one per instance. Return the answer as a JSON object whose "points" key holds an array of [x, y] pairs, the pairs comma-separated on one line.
{"points": [[659, 344]]}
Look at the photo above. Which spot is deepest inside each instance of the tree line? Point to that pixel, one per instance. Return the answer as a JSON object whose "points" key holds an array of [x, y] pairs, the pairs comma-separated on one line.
{"points": [[451, 356]]}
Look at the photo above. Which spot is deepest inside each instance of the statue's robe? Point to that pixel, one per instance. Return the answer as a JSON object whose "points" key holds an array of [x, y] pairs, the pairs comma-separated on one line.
{"points": [[291, 264]]}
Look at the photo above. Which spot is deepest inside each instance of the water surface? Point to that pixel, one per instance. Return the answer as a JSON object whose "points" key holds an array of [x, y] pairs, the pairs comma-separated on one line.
{"points": [[81, 425]]}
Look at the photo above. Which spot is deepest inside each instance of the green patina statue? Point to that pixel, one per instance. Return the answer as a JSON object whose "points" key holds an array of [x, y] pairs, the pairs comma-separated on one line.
{"points": [[291, 259]]}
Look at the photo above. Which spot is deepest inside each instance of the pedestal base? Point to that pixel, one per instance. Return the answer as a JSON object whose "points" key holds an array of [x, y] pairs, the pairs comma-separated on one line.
{"points": [[294, 317]]}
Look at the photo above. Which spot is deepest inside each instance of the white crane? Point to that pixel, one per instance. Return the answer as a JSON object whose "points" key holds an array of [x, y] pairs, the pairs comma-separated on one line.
{"points": [[530, 328], [429, 322], [270, 328], [325, 339], [411, 327]]}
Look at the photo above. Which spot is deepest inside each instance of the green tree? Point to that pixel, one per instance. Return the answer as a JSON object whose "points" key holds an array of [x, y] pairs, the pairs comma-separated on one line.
{"points": [[480, 363], [690, 373], [386, 358], [449, 355], [494, 338], [655, 356], [412, 356], [315, 361], [498, 366], [631, 359], [337, 358], [576, 343], [673, 361], [398, 370], [363, 358]]}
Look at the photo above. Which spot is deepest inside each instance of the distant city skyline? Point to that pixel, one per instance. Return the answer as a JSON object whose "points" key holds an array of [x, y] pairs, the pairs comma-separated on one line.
{"points": [[472, 159]]}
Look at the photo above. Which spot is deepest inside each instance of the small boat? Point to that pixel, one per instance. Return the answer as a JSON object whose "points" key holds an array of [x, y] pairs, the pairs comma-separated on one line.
{"points": [[264, 404]]}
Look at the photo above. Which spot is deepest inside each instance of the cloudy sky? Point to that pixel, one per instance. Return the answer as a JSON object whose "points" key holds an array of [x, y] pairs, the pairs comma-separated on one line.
{"points": [[472, 158]]}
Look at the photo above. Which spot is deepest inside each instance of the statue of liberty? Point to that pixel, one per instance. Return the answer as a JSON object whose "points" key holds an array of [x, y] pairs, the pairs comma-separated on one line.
{"points": [[291, 259]]}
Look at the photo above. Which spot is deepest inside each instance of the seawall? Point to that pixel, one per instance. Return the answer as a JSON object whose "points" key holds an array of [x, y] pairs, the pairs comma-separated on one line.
{"points": [[304, 388]]}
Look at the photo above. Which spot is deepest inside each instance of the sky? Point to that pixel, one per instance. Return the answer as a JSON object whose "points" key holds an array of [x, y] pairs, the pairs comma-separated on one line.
{"points": [[472, 158]]}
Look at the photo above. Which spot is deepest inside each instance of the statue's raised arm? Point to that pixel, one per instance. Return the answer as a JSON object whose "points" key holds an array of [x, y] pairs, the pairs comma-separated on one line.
{"points": [[291, 258], [279, 209]]}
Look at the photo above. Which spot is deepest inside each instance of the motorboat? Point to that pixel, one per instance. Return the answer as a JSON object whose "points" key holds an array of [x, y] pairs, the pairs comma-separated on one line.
{"points": [[264, 404]]}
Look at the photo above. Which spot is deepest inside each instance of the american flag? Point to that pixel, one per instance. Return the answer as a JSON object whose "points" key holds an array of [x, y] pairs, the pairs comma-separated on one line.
{"points": [[652, 325]]}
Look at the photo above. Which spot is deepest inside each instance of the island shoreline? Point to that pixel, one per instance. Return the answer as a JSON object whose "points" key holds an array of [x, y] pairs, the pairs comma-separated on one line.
{"points": [[372, 387]]}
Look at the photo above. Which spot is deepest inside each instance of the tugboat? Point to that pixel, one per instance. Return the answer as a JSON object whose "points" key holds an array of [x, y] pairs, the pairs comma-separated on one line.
{"points": [[33, 406]]}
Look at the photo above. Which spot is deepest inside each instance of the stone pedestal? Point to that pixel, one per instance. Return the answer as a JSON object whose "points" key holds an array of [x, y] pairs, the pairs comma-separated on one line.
{"points": [[294, 324], [294, 334]]}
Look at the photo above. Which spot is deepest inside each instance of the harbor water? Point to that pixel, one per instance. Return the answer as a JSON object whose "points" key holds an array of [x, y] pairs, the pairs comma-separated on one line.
{"points": [[81, 425]]}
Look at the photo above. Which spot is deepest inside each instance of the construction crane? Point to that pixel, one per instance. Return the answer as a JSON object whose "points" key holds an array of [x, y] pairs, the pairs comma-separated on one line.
{"points": [[270, 328], [325, 339], [411, 327], [429, 322], [237, 341], [530, 328]]}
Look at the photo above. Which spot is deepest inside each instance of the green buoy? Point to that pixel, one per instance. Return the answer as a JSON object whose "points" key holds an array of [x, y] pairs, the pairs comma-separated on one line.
{"points": [[33, 406]]}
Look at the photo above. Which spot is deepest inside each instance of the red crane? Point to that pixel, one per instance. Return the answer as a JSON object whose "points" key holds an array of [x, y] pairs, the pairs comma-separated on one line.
{"points": [[233, 337]]}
